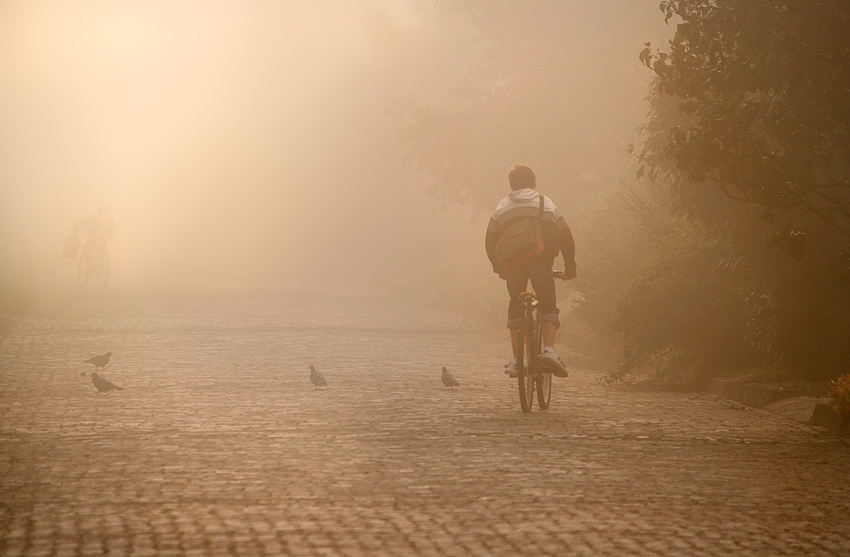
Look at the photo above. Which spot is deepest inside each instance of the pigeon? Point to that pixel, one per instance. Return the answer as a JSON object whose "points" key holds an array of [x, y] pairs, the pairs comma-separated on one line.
{"points": [[99, 361], [317, 378], [449, 379], [102, 385]]}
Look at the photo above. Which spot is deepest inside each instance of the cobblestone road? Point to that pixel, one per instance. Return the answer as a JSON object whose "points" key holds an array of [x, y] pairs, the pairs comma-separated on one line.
{"points": [[220, 445]]}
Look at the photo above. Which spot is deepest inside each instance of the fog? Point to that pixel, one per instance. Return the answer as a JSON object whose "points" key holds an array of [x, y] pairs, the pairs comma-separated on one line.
{"points": [[258, 143]]}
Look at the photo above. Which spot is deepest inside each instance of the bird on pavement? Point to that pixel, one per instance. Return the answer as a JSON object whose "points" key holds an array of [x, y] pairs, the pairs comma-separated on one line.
{"points": [[102, 385], [317, 378], [99, 361], [449, 379]]}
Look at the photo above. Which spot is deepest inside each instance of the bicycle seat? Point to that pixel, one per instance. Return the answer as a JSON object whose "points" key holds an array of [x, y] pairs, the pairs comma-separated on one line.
{"points": [[529, 298]]}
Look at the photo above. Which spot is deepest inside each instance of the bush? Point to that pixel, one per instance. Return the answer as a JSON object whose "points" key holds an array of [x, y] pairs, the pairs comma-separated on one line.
{"points": [[749, 263], [689, 298], [666, 288]]}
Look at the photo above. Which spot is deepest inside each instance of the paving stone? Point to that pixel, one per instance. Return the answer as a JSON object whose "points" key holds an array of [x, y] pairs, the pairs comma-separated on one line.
{"points": [[219, 443]]}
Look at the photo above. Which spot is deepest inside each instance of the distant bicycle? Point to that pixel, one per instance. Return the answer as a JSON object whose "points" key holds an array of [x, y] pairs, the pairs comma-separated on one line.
{"points": [[94, 261], [93, 235], [532, 375]]}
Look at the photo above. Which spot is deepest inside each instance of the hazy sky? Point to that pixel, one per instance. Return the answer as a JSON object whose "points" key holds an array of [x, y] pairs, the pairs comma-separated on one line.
{"points": [[247, 135]]}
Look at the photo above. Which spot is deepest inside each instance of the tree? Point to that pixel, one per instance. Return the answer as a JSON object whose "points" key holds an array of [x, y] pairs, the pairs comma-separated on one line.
{"points": [[538, 89], [748, 130], [763, 88]]}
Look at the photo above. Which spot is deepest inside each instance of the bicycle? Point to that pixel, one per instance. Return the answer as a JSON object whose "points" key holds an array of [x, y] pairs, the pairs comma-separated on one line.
{"points": [[94, 262], [531, 373]]}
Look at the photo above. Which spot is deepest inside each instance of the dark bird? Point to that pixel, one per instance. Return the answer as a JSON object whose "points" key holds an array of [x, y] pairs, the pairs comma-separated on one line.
{"points": [[102, 385], [317, 378], [99, 361], [449, 379]]}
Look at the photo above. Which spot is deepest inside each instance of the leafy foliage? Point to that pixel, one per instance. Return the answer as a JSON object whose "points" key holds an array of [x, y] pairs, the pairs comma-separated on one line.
{"points": [[531, 92], [764, 91], [678, 286], [748, 132], [688, 299], [839, 394]]}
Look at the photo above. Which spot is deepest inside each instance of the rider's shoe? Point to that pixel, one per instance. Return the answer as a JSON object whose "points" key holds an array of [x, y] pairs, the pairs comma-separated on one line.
{"points": [[555, 364], [510, 369]]}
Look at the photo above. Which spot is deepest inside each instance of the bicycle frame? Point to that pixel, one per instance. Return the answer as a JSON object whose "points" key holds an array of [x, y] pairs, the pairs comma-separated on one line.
{"points": [[530, 376], [94, 260], [531, 373]]}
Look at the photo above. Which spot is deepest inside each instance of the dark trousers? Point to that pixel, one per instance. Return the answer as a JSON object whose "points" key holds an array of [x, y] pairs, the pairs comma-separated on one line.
{"points": [[539, 272]]}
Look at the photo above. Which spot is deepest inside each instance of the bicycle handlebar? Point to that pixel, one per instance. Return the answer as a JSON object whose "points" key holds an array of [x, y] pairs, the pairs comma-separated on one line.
{"points": [[561, 275]]}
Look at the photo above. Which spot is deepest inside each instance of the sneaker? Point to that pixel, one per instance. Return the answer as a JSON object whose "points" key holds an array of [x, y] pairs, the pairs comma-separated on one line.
{"points": [[555, 364], [510, 370]]}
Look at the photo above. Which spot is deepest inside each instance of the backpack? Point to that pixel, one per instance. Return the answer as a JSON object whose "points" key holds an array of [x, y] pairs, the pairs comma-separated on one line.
{"points": [[521, 242]]}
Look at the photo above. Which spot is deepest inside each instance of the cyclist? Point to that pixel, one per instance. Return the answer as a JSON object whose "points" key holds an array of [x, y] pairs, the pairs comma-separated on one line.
{"points": [[523, 203], [96, 231]]}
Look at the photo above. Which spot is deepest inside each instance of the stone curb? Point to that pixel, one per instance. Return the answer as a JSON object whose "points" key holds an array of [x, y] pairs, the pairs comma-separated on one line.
{"points": [[757, 395], [824, 416], [808, 410]]}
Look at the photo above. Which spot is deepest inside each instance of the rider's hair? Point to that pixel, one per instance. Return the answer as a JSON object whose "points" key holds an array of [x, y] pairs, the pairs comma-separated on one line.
{"points": [[521, 176]]}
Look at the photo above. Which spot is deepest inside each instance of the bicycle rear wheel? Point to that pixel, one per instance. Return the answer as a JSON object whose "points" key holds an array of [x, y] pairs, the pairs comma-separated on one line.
{"points": [[544, 389], [103, 269], [82, 271], [542, 377], [525, 368]]}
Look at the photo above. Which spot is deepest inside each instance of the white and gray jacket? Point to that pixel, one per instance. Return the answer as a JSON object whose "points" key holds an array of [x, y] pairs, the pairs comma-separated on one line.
{"points": [[557, 236]]}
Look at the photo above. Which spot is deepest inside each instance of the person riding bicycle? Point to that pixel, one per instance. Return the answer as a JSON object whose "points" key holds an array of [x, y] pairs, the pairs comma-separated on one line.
{"points": [[519, 208], [96, 231]]}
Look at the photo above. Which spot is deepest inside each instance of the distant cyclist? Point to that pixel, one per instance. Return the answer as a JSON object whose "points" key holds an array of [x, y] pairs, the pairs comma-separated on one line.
{"points": [[524, 235], [96, 232]]}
